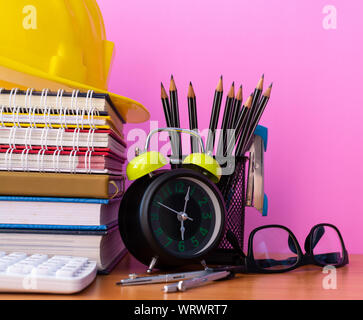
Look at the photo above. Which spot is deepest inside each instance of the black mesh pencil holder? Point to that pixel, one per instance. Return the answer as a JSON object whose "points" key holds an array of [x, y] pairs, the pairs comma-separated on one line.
{"points": [[233, 189]]}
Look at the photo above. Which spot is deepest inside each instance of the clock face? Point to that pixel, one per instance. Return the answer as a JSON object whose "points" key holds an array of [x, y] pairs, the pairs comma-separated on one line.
{"points": [[185, 217]]}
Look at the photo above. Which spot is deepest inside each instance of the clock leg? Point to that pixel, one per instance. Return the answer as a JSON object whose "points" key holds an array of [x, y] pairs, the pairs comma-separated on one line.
{"points": [[152, 264], [204, 264]]}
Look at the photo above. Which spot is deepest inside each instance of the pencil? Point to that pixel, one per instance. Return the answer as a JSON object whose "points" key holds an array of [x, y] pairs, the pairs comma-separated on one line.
{"points": [[236, 109], [240, 126], [166, 106], [222, 144], [193, 119], [174, 107], [251, 114], [218, 94], [168, 119], [261, 108]]}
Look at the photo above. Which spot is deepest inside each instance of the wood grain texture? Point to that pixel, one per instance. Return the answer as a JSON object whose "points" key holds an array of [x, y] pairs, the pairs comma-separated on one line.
{"points": [[302, 283]]}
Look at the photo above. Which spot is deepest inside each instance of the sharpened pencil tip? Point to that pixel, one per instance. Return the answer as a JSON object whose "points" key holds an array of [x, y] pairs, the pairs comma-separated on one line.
{"points": [[270, 86], [163, 92], [191, 93], [239, 93], [260, 83], [220, 85], [172, 86], [231, 91]]}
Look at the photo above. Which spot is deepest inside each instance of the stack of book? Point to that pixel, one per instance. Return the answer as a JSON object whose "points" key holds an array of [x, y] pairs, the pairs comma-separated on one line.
{"points": [[61, 172]]}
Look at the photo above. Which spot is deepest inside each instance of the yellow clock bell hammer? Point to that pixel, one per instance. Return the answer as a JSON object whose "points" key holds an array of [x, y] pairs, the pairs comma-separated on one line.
{"points": [[59, 44]]}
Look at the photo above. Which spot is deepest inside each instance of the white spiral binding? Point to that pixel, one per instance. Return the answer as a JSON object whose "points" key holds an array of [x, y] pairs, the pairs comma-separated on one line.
{"points": [[71, 161], [24, 162], [44, 138], [59, 139], [74, 105], [44, 108], [62, 111], [12, 106], [40, 159], [12, 137], [90, 139], [91, 110], [87, 161], [8, 156]]}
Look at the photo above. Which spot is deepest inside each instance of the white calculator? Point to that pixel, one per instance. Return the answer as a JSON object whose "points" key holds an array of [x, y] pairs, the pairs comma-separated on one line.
{"points": [[20, 272]]}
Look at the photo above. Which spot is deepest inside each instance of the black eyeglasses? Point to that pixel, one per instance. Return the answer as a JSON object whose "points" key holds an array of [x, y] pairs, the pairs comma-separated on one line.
{"points": [[274, 248]]}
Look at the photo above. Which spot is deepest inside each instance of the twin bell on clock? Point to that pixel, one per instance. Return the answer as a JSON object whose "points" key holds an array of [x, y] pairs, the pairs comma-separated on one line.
{"points": [[170, 218]]}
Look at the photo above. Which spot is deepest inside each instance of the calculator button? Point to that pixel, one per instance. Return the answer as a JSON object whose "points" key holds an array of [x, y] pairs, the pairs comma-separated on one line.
{"points": [[19, 268], [44, 270], [66, 273]]}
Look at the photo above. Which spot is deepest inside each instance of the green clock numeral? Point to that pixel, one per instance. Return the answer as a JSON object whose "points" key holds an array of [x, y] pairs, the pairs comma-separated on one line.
{"points": [[203, 201], [167, 191], [180, 187], [157, 199], [155, 204], [154, 216], [158, 231], [192, 190], [169, 242], [181, 246], [194, 241], [206, 215], [203, 231]]}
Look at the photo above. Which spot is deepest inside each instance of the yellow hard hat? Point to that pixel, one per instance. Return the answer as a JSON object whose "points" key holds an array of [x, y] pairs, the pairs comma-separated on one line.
{"points": [[58, 44]]}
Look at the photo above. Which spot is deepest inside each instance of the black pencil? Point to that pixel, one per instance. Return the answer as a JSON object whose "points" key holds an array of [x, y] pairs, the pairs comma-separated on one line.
{"points": [[236, 109], [240, 126], [193, 118], [174, 106], [218, 94], [257, 94], [168, 119], [166, 106], [251, 114], [260, 109], [222, 144]]}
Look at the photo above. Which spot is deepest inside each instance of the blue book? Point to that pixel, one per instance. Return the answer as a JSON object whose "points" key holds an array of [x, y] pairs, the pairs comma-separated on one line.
{"points": [[50, 213]]}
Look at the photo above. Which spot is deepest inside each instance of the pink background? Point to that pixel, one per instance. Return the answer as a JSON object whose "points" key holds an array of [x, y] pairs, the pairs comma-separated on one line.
{"points": [[313, 170]]}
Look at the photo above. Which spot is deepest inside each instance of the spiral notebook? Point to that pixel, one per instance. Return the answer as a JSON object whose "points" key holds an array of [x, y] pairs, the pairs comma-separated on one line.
{"points": [[45, 160], [67, 139], [62, 102]]}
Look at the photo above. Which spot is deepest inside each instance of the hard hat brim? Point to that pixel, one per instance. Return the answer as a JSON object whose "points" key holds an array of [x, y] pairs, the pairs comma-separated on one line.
{"points": [[23, 77]]}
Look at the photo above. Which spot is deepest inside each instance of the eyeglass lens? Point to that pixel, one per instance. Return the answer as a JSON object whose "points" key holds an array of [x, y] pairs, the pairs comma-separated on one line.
{"points": [[274, 249], [326, 246]]}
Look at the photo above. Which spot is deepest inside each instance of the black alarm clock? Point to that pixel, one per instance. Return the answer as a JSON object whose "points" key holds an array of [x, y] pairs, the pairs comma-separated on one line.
{"points": [[175, 217]]}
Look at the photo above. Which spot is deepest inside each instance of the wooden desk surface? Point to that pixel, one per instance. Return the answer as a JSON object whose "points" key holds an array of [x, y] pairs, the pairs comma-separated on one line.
{"points": [[302, 283]]}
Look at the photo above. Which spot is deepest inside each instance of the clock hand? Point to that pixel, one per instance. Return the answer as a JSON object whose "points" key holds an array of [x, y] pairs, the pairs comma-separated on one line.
{"points": [[186, 200], [182, 214], [182, 229]]}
